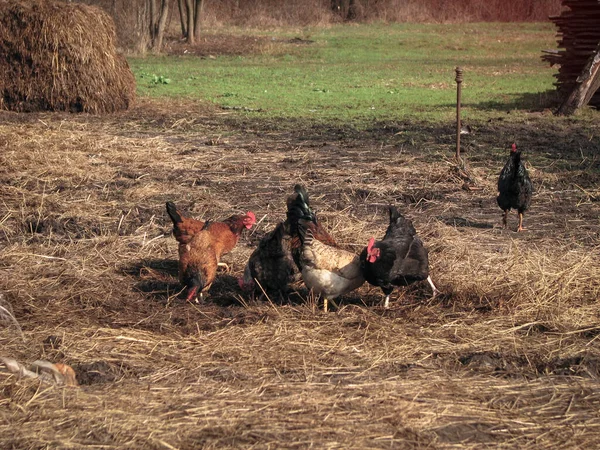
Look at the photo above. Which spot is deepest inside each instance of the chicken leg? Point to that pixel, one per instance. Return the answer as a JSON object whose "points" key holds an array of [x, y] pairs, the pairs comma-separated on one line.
{"points": [[505, 219], [386, 303], [435, 290], [225, 266], [326, 304], [521, 227]]}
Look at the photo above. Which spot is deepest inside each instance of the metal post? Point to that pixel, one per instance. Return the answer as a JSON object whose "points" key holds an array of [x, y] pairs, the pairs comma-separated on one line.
{"points": [[458, 92]]}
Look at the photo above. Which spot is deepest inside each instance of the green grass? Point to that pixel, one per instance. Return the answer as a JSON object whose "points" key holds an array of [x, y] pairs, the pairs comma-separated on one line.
{"points": [[368, 72]]}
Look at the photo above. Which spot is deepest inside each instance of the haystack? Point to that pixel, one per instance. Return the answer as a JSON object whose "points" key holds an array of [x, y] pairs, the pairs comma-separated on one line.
{"points": [[61, 57]]}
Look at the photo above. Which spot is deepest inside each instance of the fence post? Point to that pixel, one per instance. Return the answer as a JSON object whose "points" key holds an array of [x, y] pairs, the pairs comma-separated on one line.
{"points": [[458, 95]]}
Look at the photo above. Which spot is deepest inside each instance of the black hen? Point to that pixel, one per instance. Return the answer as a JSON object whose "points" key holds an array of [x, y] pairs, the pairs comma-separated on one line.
{"points": [[274, 263], [514, 187], [271, 264], [399, 259]]}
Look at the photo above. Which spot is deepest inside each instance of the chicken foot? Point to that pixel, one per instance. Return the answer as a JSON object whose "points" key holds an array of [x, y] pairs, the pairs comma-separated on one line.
{"points": [[225, 265], [326, 304]]}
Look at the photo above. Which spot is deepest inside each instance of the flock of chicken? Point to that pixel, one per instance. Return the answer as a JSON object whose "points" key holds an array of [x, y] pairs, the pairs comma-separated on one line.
{"points": [[301, 247]]}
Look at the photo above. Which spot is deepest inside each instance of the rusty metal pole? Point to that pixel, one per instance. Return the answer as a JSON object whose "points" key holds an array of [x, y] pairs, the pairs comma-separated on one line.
{"points": [[458, 95]]}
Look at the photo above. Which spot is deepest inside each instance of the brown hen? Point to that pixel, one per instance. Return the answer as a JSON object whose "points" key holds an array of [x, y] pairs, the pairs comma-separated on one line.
{"points": [[184, 228], [201, 248]]}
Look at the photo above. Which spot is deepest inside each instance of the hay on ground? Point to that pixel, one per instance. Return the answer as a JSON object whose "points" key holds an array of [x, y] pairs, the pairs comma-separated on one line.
{"points": [[61, 57], [507, 357]]}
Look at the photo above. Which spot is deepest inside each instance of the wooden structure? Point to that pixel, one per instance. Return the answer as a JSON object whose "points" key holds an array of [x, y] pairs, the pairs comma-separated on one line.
{"points": [[587, 85], [578, 38]]}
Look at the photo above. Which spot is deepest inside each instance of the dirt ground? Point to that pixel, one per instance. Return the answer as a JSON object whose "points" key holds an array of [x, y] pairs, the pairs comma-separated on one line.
{"points": [[211, 45], [507, 356]]}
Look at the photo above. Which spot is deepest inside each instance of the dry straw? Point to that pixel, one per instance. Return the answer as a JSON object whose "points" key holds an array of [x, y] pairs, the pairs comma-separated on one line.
{"points": [[7, 317], [507, 357], [61, 57]]}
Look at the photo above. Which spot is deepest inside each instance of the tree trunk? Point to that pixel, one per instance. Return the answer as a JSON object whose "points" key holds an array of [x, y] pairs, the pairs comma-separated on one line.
{"points": [[158, 15], [182, 18], [152, 13], [143, 26], [198, 6], [161, 25], [189, 6], [346, 9], [351, 14]]}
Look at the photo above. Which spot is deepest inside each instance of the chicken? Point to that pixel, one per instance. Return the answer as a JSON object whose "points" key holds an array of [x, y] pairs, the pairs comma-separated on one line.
{"points": [[184, 228], [327, 270], [514, 187], [298, 207], [200, 249], [399, 259], [271, 264]]}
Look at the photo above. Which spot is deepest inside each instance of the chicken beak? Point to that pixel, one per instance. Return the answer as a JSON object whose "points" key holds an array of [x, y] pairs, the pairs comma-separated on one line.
{"points": [[192, 294], [245, 286]]}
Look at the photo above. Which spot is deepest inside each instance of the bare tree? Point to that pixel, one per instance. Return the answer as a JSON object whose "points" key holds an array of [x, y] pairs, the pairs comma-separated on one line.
{"points": [[190, 12], [182, 14], [158, 11]]}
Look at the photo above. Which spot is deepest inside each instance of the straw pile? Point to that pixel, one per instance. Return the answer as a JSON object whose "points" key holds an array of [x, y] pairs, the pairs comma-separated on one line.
{"points": [[507, 357], [579, 36], [61, 57]]}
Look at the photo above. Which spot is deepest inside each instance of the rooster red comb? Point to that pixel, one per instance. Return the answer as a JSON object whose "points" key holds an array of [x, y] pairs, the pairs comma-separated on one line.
{"points": [[370, 244], [514, 148], [252, 216], [372, 251]]}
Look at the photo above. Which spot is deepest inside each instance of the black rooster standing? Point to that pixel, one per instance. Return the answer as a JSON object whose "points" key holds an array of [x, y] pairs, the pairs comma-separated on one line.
{"points": [[399, 259], [514, 187]]}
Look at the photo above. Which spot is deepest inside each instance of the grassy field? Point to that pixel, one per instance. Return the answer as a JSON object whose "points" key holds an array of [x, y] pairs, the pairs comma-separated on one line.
{"points": [[507, 357], [362, 73]]}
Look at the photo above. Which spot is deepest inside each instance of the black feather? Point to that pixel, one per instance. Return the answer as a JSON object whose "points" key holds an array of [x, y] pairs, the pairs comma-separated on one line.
{"points": [[514, 185], [298, 207], [298, 210], [173, 214], [271, 264], [403, 259]]}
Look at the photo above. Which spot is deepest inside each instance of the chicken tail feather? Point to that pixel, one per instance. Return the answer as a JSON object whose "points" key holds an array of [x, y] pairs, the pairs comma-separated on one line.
{"points": [[305, 232], [394, 214], [173, 214], [298, 208]]}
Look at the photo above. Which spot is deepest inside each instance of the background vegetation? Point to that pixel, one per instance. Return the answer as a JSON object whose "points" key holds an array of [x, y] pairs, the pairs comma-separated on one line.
{"points": [[360, 74], [136, 20]]}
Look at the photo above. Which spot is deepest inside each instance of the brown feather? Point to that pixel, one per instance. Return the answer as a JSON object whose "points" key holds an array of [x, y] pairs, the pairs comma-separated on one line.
{"points": [[184, 228], [201, 249]]}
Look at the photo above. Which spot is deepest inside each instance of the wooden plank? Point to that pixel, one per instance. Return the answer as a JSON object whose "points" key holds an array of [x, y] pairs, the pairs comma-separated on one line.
{"points": [[586, 85], [578, 34]]}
